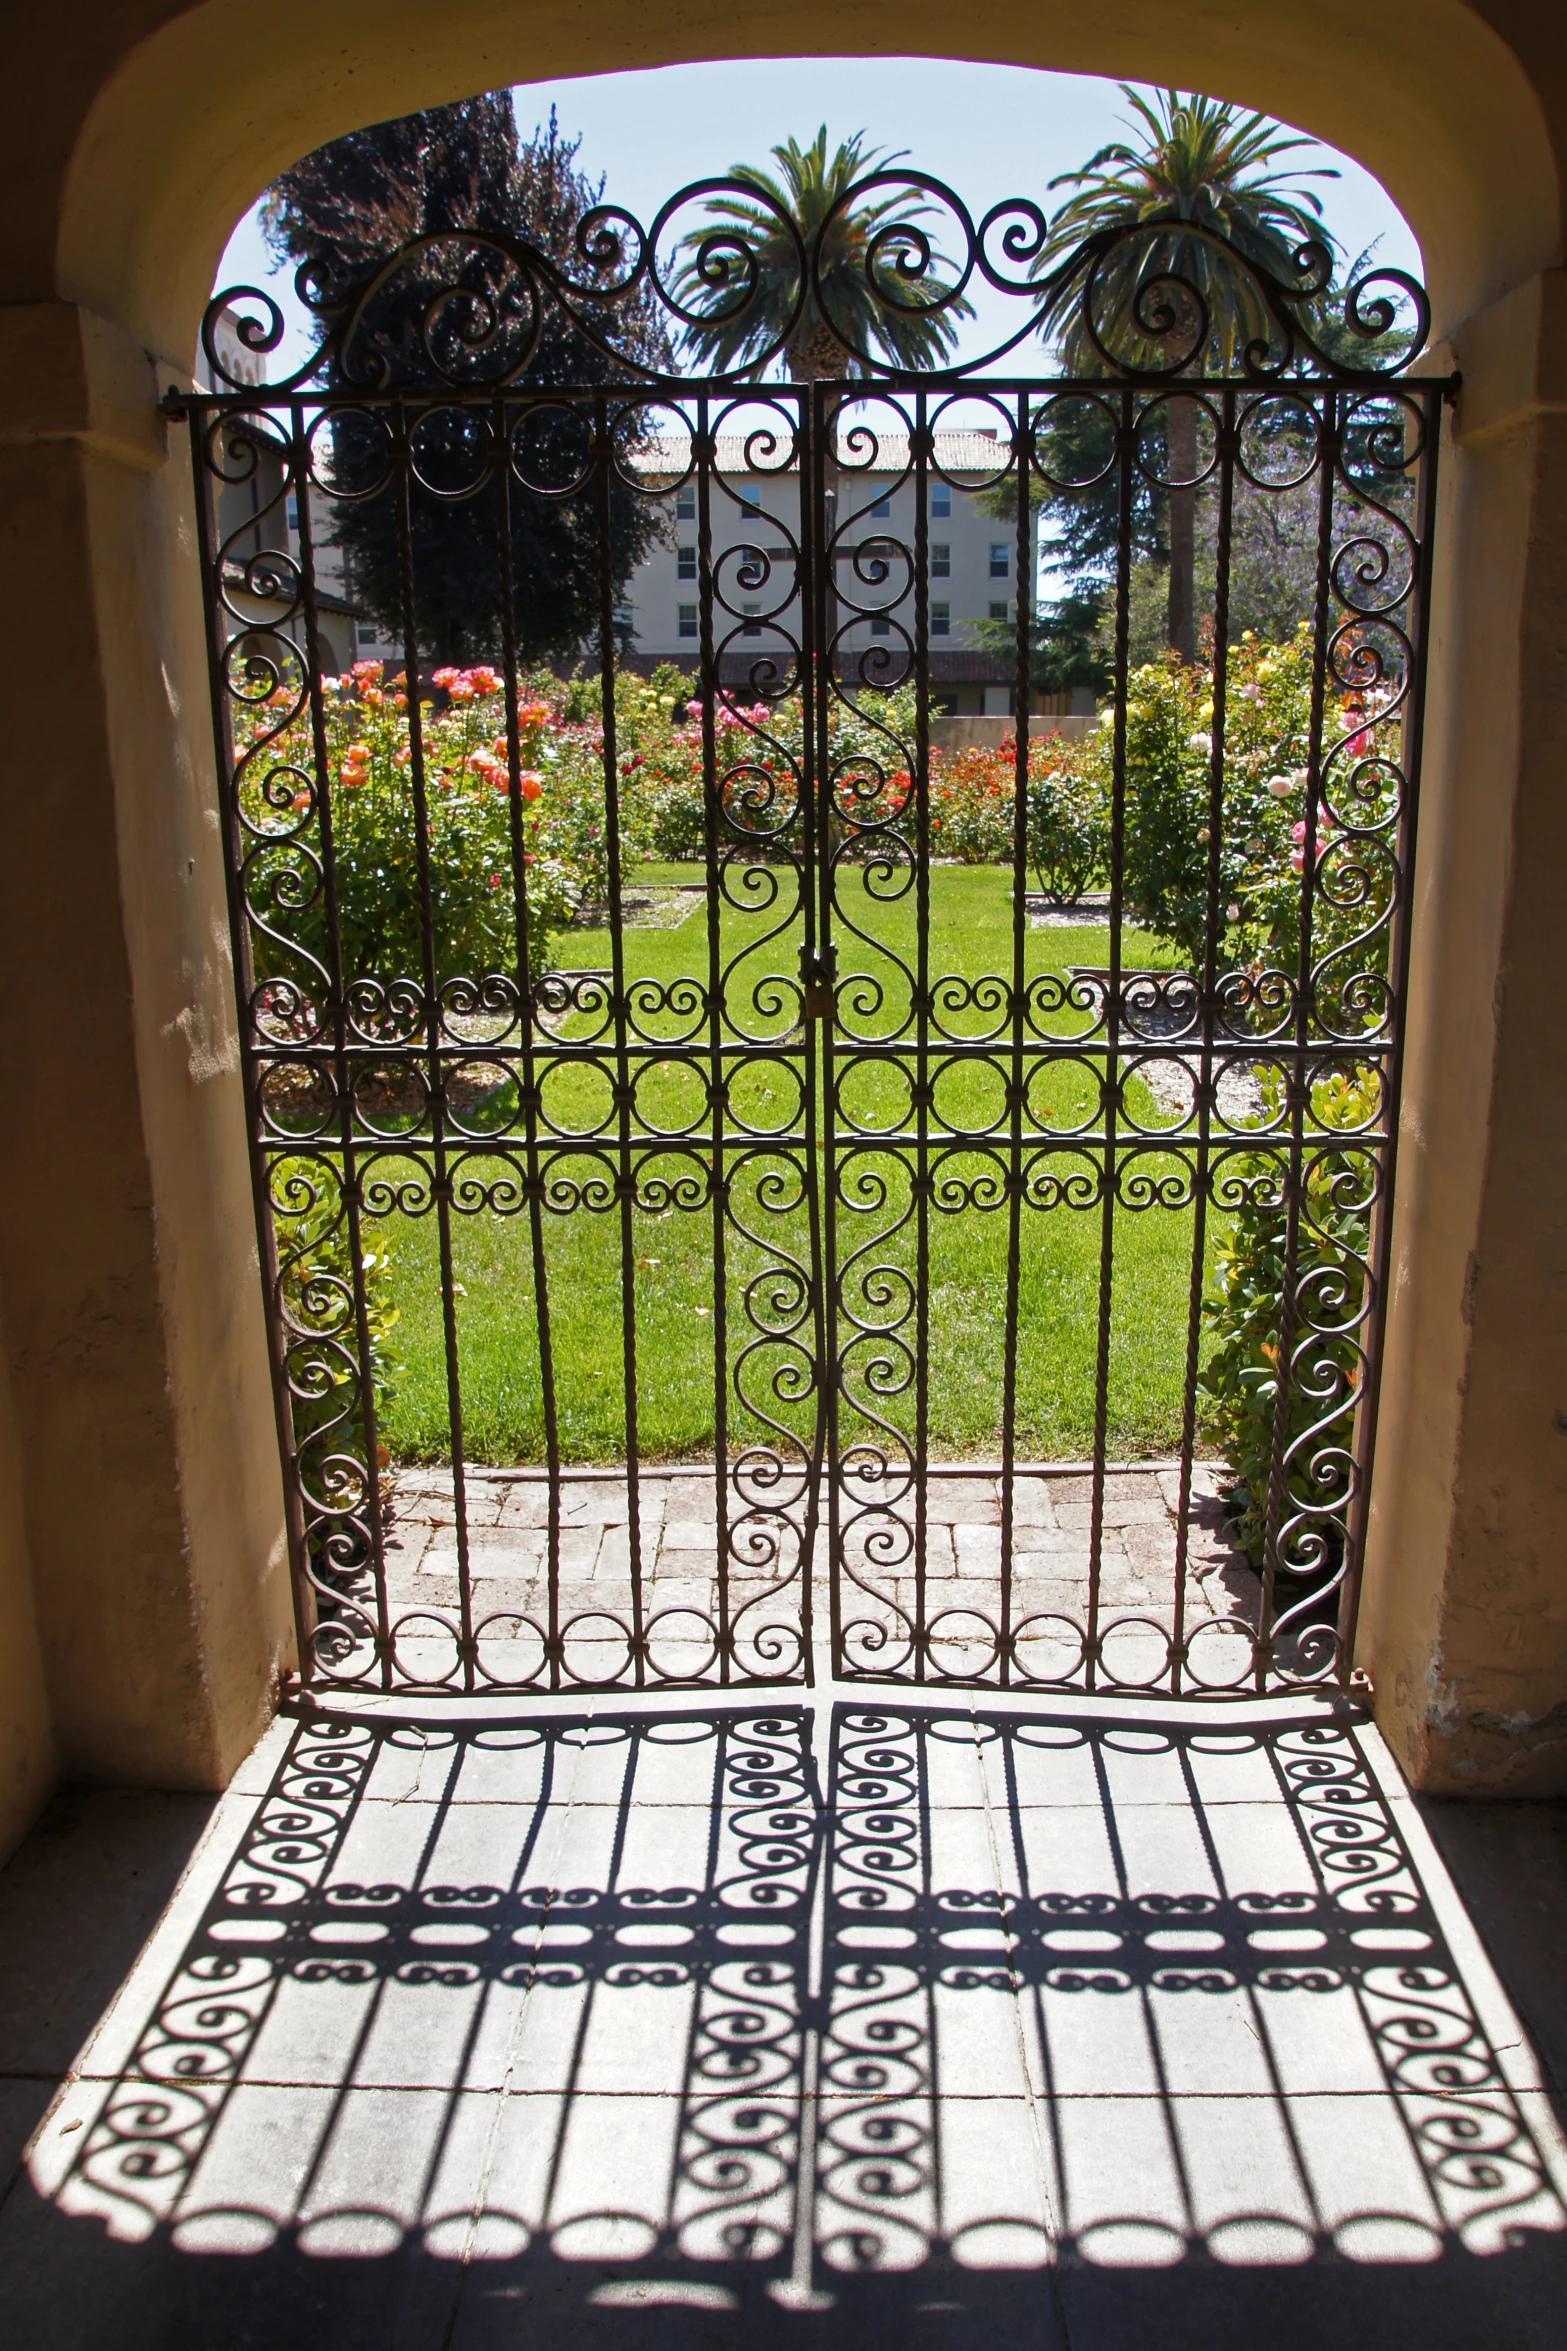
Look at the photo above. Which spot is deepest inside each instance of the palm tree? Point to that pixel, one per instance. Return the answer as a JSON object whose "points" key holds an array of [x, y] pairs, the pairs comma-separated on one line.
{"points": [[1199, 161], [803, 202]]}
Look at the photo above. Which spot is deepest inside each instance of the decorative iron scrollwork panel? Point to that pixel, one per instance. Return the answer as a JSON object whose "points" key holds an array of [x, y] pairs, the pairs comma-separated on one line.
{"points": [[882, 1135]]}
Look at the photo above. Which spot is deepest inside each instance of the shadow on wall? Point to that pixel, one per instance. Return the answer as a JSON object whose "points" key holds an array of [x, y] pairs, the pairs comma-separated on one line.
{"points": [[1026, 2029]]}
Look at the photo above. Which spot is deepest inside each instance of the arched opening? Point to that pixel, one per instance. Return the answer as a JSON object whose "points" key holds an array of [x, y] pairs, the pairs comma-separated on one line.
{"points": [[167, 144], [958, 1275]]}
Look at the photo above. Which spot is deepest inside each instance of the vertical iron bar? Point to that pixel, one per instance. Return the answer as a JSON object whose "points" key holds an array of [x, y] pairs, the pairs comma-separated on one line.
{"points": [[712, 844], [827, 555], [922, 1012], [625, 1183], [1379, 1254], [244, 1022], [1112, 1079], [1016, 1089], [342, 1083], [441, 1181], [526, 1015], [818, 1469], [1207, 1010], [1299, 1085]]}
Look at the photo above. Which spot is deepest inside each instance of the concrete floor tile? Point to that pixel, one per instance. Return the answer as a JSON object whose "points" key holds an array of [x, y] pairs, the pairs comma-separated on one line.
{"points": [[1369, 2186], [420, 2028], [877, 2191], [614, 2178], [24, 2100], [1207, 2034], [1315, 2031], [995, 2208], [512, 1765], [249, 2176], [603, 1907], [978, 2039], [1250, 2206], [369, 2185], [310, 2030], [1142, 1766], [1051, 1763], [1085, 2024], [1121, 2199], [1231, 1767], [1163, 1853], [1259, 1850], [388, 1843]]}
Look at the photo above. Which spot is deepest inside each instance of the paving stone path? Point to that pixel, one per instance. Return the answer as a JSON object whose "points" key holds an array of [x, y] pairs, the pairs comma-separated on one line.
{"points": [[507, 1517]]}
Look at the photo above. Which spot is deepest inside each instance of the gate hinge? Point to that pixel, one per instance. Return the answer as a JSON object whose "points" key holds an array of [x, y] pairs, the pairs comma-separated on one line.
{"points": [[818, 980]]}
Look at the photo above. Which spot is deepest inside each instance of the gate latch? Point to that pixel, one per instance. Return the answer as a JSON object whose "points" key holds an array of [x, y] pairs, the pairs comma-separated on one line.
{"points": [[818, 979]]}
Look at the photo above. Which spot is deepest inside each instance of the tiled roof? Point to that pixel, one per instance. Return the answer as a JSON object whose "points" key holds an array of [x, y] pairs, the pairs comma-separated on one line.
{"points": [[956, 452]]}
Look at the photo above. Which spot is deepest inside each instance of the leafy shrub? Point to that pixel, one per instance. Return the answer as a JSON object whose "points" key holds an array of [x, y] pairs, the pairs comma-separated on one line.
{"points": [[316, 1279], [375, 854], [1244, 1313], [1169, 747], [1068, 827]]}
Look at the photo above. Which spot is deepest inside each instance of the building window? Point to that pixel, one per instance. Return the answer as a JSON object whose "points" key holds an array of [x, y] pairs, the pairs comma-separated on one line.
{"points": [[366, 632], [941, 620], [940, 501], [688, 620], [751, 628], [750, 503], [940, 560], [882, 508], [293, 514], [685, 562], [881, 626], [685, 502], [998, 611], [999, 565]]}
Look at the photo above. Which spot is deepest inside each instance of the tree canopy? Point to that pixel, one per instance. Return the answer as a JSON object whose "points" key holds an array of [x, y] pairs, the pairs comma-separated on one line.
{"points": [[350, 206], [808, 190]]}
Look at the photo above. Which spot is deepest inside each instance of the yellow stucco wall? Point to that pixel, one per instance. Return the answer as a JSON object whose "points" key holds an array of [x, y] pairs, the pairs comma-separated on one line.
{"points": [[150, 1498]]}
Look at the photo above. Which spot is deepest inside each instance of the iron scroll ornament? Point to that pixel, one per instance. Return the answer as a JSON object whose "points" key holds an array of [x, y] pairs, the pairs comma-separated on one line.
{"points": [[485, 297]]}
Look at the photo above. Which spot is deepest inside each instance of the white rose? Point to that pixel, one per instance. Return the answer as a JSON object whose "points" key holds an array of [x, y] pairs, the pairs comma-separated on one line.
{"points": [[1203, 743], [1281, 786]]}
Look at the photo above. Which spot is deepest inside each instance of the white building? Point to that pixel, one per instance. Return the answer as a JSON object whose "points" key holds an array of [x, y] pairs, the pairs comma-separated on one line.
{"points": [[971, 562]]}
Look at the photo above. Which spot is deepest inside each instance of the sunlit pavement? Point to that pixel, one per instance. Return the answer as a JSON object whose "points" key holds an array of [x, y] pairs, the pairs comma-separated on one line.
{"points": [[800, 2016]]}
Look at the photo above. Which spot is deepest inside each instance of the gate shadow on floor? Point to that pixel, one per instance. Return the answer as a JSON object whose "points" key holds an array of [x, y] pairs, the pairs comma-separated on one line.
{"points": [[1094, 2030]]}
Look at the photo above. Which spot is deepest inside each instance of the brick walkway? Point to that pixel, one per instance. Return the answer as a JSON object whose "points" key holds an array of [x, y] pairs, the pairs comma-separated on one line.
{"points": [[507, 1542]]}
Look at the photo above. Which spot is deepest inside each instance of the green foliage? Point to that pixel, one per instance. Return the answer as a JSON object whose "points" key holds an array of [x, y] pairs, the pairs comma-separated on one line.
{"points": [[1209, 164], [316, 1281], [1068, 830], [1244, 1312], [1169, 755], [375, 856], [856, 300], [341, 212]]}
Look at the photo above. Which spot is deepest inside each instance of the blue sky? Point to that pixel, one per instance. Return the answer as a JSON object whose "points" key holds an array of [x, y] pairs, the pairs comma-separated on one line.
{"points": [[989, 131]]}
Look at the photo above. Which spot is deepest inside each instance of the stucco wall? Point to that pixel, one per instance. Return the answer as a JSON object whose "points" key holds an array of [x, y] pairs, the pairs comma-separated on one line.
{"points": [[137, 1359]]}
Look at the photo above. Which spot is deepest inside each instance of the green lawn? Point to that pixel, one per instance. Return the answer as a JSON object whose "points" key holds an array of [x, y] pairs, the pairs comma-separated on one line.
{"points": [[676, 1303]]}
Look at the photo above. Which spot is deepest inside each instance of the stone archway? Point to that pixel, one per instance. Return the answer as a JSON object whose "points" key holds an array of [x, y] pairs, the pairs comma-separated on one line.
{"points": [[146, 1579]]}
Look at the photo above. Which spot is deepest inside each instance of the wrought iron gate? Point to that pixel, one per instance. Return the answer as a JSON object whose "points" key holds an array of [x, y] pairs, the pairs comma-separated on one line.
{"points": [[889, 1109]]}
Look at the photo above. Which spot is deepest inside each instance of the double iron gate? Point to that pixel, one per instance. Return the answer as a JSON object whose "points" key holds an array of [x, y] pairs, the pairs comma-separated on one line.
{"points": [[834, 1204]]}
